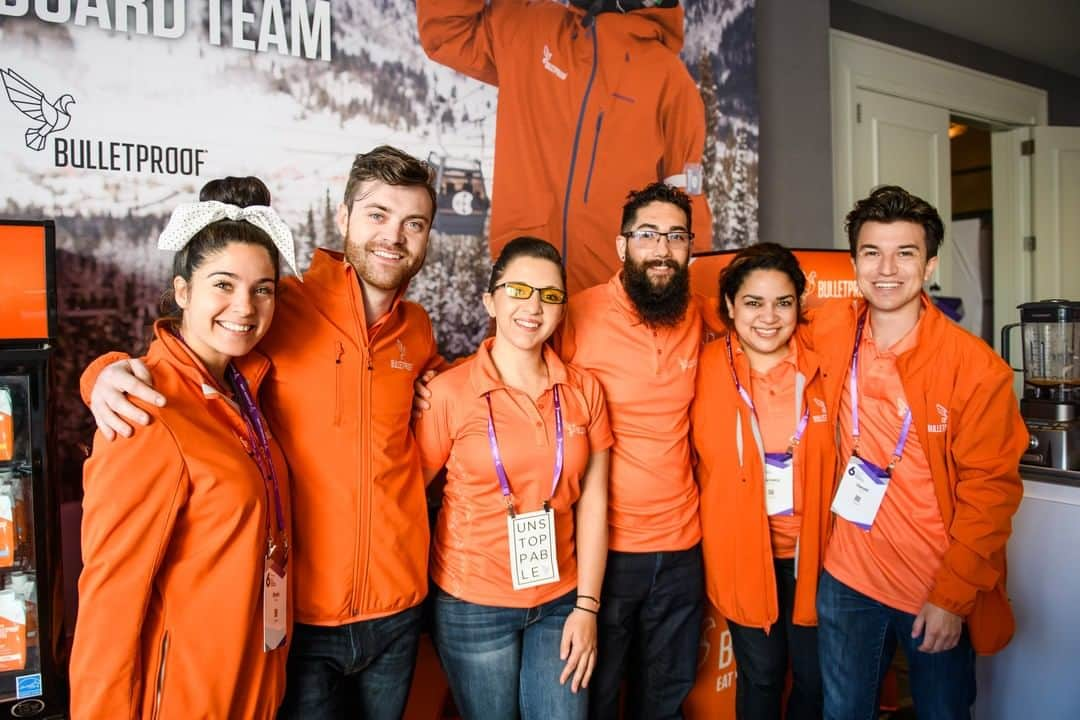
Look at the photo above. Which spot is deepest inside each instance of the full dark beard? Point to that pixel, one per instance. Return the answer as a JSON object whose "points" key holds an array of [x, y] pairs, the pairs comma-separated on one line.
{"points": [[658, 306]]}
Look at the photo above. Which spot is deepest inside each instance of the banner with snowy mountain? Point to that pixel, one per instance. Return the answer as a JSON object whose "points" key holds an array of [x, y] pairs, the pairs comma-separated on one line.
{"points": [[112, 113]]}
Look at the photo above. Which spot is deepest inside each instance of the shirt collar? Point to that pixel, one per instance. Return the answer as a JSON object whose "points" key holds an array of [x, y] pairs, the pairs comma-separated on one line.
{"points": [[485, 377]]}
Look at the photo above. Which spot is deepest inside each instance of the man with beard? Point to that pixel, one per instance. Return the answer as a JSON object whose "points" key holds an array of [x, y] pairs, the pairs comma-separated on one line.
{"points": [[640, 334], [346, 350]]}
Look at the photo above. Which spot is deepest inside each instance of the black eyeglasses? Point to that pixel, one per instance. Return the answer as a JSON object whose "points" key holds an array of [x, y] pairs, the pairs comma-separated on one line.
{"points": [[524, 291], [675, 238]]}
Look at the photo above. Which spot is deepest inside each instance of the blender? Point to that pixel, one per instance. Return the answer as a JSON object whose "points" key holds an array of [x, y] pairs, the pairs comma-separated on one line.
{"points": [[1050, 330]]}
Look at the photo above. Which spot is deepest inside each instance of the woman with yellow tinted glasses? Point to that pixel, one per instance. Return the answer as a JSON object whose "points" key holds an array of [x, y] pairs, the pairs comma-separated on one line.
{"points": [[521, 541]]}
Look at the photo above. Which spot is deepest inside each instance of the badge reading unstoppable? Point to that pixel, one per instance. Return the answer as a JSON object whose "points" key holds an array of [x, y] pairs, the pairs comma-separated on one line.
{"points": [[531, 536]]}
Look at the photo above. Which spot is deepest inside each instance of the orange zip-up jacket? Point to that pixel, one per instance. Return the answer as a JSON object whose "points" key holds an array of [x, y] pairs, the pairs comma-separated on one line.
{"points": [[584, 116], [339, 398], [973, 450], [174, 539], [740, 579]]}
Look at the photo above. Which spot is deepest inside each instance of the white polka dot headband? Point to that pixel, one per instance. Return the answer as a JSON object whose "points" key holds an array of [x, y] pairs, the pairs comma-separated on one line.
{"points": [[189, 218]]}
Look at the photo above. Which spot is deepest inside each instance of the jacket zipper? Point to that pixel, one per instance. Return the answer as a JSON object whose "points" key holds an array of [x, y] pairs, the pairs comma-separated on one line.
{"points": [[577, 139], [368, 488], [160, 685], [592, 158], [337, 382], [360, 324]]}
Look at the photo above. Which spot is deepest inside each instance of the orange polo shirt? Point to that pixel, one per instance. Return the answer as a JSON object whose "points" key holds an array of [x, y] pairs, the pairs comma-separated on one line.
{"points": [[894, 562], [648, 377], [773, 393], [470, 558]]}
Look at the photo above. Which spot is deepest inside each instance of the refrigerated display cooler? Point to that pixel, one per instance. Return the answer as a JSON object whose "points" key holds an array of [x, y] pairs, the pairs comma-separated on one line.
{"points": [[32, 675]]}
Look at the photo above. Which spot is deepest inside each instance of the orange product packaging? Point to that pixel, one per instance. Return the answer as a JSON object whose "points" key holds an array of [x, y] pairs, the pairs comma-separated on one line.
{"points": [[7, 529], [24, 587], [7, 426], [12, 632]]}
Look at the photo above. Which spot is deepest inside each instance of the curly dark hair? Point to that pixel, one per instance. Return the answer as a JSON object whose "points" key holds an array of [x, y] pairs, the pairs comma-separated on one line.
{"points": [[655, 192], [892, 203], [762, 256]]}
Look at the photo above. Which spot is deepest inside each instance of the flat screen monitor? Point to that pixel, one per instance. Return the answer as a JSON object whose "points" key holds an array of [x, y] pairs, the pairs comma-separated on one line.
{"points": [[27, 284]]}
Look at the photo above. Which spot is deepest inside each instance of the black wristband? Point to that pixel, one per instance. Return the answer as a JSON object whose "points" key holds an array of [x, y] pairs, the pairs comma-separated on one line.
{"points": [[585, 609], [589, 597]]}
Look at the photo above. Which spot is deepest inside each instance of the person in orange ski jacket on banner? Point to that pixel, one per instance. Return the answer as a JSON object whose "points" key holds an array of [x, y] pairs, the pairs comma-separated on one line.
{"points": [[930, 442], [594, 101], [185, 607], [346, 349], [766, 458]]}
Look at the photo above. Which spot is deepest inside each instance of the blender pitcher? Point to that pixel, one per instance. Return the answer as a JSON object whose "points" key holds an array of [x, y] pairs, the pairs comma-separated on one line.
{"points": [[1050, 330]]}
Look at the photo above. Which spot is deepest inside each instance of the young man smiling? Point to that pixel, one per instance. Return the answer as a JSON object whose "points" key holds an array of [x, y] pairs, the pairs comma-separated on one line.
{"points": [[930, 440], [346, 350]]}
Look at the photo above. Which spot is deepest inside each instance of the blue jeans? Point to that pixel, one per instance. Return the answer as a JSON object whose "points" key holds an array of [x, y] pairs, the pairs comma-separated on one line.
{"points": [[651, 611], [857, 638], [360, 670], [502, 661], [762, 661]]}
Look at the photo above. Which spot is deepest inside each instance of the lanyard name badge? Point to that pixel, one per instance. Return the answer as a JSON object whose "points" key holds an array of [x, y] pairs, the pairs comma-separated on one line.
{"points": [[531, 535], [275, 593], [779, 467], [863, 485]]}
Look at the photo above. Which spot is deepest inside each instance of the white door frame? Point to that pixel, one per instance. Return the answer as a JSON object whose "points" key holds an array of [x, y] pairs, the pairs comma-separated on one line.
{"points": [[857, 62]]}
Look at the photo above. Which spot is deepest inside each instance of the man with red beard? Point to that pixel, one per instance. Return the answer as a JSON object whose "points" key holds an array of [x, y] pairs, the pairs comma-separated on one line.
{"points": [[640, 334], [346, 350]]}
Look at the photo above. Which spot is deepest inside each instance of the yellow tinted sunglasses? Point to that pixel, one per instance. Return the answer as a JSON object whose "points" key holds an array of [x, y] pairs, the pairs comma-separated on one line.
{"points": [[524, 291]]}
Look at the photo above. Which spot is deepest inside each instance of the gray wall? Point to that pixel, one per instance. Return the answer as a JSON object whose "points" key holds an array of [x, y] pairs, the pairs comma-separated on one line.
{"points": [[1063, 90], [795, 180], [795, 146]]}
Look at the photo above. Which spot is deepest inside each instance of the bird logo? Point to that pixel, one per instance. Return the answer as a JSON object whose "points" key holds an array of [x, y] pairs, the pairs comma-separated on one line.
{"points": [[31, 102]]}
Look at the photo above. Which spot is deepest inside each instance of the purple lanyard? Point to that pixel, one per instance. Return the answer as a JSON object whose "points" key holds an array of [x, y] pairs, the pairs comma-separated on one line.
{"points": [[260, 443], [264, 460], [799, 429], [500, 470], [854, 389]]}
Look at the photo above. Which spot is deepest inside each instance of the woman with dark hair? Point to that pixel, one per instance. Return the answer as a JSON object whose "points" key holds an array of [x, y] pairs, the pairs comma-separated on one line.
{"points": [[521, 541], [184, 596], [765, 467]]}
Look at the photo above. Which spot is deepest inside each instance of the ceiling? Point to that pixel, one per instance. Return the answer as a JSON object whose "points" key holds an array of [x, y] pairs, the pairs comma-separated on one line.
{"points": [[1046, 32]]}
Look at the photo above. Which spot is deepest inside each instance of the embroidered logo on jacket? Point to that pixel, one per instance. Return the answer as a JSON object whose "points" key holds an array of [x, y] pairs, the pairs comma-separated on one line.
{"points": [[550, 66], [822, 414], [943, 413], [401, 363], [573, 429]]}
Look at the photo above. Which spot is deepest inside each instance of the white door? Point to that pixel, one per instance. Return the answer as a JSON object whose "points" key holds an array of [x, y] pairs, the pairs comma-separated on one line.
{"points": [[1056, 192], [1036, 217], [904, 142]]}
